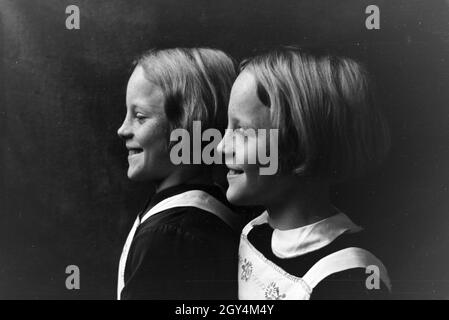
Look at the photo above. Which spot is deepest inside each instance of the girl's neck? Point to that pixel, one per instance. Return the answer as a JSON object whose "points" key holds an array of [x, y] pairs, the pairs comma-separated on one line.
{"points": [[302, 204], [185, 175]]}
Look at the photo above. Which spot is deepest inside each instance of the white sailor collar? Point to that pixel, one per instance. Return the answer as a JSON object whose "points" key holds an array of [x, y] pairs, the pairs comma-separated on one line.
{"points": [[299, 241]]}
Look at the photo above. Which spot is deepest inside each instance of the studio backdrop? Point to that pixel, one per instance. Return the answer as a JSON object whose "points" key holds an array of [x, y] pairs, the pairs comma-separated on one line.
{"points": [[65, 199]]}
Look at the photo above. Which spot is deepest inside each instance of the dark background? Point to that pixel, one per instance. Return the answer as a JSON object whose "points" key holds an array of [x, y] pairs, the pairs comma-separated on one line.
{"points": [[64, 195]]}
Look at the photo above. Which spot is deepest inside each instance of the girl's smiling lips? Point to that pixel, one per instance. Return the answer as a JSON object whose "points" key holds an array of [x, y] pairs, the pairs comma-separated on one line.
{"points": [[133, 150], [234, 171]]}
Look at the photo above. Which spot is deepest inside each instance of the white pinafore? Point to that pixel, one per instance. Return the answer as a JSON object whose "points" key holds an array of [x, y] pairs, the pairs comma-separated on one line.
{"points": [[261, 279], [192, 198]]}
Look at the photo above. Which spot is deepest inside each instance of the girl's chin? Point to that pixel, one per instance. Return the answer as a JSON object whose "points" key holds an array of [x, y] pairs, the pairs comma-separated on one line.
{"points": [[133, 177], [237, 196], [134, 174]]}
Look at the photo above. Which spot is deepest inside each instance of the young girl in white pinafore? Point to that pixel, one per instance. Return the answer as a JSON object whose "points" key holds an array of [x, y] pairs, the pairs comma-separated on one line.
{"points": [[328, 130]]}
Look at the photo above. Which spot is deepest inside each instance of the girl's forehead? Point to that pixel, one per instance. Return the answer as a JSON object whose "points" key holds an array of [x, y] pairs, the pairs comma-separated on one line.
{"points": [[244, 88], [244, 104], [142, 92]]}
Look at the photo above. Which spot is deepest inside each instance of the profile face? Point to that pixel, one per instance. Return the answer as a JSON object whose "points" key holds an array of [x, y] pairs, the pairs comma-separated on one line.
{"points": [[246, 185], [144, 130]]}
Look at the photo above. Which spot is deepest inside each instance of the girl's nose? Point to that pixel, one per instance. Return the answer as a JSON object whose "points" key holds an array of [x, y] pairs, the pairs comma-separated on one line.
{"points": [[225, 146], [124, 131], [220, 146]]}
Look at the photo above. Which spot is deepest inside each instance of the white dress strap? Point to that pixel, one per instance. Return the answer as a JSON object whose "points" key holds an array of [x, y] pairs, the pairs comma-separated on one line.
{"points": [[198, 199], [192, 198], [124, 257], [261, 219], [345, 259]]}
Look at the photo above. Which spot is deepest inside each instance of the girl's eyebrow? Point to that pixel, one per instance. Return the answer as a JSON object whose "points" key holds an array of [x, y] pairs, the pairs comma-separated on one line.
{"points": [[139, 109], [143, 108], [245, 122], [235, 121], [242, 121]]}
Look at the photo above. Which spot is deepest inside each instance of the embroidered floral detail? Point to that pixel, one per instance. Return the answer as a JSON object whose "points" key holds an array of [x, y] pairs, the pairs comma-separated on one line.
{"points": [[247, 270], [272, 292]]}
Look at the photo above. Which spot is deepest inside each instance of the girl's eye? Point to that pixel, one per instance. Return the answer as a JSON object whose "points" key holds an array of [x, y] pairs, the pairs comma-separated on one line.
{"points": [[244, 131], [140, 117]]}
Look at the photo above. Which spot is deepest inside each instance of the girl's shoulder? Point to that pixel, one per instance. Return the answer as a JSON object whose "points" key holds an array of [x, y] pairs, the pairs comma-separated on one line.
{"points": [[350, 284], [339, 268], [185, 221]]}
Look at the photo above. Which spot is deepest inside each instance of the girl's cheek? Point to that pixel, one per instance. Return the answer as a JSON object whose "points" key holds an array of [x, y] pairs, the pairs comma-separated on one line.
{"points": [[239, 154], [251, 150]]}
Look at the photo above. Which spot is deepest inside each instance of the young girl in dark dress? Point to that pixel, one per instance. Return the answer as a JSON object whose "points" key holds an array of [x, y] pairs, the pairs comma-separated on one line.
{"points": [[303, 247], [184, 244]]}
